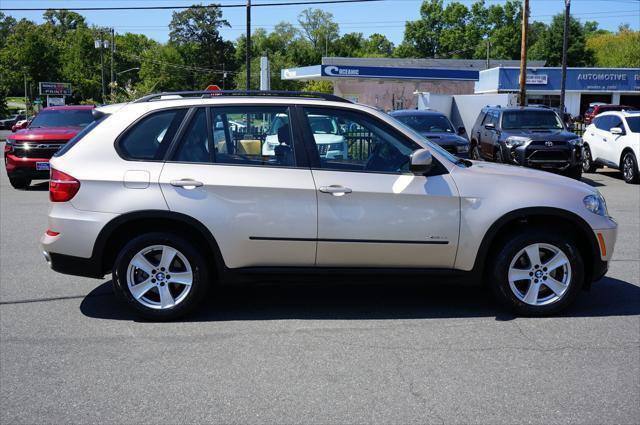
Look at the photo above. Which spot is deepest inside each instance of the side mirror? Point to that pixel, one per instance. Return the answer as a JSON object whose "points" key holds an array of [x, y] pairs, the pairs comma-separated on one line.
{"points": [[490, 126], [461, 131], [421, 162], [616, 131]]}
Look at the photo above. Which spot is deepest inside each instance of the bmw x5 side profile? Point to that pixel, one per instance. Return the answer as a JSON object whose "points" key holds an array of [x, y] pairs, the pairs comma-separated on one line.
{"points": [[174, 193]]}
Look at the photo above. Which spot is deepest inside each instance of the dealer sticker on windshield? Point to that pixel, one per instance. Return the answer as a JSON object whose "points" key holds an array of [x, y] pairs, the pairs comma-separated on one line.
{"points": [[42, 166]]}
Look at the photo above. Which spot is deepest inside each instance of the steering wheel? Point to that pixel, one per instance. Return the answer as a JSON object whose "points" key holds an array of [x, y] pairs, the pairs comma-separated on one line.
{"points": [[393, 161]]}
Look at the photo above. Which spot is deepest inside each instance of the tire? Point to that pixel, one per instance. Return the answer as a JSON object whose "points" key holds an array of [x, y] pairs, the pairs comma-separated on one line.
{"points": [[587, 161], [497, 157], [574, 172], [629, 168], [140, 263], [474, 153], [20, 182], [511, 260]]}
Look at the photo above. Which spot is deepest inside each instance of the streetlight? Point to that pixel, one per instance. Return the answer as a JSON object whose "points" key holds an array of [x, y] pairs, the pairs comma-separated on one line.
{"points": [[127, 70], [101, 44]]}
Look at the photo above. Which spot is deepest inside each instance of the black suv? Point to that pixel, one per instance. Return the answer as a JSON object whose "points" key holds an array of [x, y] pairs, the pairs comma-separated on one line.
{"points": [[529, 136]]}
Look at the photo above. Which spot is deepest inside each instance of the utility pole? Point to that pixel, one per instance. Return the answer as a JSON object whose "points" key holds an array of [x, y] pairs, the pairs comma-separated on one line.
{"points": [[99, 44], [523, 53], [488, 53], [113, 47], [565, 47], [248, 58]]}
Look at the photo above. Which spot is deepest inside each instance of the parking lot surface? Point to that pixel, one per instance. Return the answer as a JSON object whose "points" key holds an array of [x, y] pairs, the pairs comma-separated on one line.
{"points": [[383, 353]]}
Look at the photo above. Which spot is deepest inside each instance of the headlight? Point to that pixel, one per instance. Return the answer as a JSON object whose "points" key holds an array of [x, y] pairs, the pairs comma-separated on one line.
{"points": [[462, 148], [596, 204], [514, 142], [576, 142]]}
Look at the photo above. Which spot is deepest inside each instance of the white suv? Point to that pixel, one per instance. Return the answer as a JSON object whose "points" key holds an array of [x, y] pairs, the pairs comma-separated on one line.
{"points": [[163, 194], [613, 139]]}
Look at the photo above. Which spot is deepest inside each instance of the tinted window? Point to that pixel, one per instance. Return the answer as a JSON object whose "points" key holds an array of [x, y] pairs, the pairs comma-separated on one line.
{"points": [[634, 124], [615, 121], [149, 138], [62, 118], [526, 119], [253, 135], [602, 123], [362, 144], [427, 123], [195, 146]]}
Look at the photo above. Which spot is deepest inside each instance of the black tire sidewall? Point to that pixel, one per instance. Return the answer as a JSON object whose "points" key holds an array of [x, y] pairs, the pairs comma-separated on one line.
{"points": [[475, 152], [498, 273], [198, 267], [635, 177], [590, 168]]}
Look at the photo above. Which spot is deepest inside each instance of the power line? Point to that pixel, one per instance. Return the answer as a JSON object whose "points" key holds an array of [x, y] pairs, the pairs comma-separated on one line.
{"points": [[197, 6]]}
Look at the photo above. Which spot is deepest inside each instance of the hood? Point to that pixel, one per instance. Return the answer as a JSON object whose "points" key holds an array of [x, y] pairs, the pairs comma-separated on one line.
{"points": [[445, 139], [529, 175], [328, 138], [551, 135], [49, 133]]}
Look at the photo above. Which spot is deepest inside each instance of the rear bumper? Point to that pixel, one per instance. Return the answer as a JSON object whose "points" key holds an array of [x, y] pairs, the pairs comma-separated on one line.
{"points": [[77, 266]]}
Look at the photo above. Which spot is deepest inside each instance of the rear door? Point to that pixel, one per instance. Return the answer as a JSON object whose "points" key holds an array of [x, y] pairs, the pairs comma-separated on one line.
{"points": [[488, 135], [260, 208], [598, 137], [372, 212]]}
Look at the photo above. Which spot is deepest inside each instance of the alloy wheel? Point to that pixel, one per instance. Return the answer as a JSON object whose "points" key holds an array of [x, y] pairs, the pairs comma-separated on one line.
{"points": [[628, 167], [159, 277], [586, 160], [539, 274]]}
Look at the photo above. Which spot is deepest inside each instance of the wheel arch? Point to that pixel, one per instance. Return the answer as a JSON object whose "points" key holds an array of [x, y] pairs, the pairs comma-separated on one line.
{"points": [[539, 216], [123, 228]]}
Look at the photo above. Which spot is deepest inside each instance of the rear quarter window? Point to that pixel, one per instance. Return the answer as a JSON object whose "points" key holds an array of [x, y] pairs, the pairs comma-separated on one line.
{"points": [[148, 139]]}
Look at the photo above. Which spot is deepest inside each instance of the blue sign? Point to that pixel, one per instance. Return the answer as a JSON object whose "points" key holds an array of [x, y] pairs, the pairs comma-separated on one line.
{"points": [[578, 79], [335, 71]]}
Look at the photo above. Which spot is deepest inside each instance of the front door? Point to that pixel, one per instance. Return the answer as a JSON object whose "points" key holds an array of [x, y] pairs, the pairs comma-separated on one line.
{"points": [[371, 211], [260, 208]]}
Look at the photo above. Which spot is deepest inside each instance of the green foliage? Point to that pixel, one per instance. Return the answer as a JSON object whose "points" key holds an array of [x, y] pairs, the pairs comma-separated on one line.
{"points": [[318, 87], [549, 44], [620, 50]]}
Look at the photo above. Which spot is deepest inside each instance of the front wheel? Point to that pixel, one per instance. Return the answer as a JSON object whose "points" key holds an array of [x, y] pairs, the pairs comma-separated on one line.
{"points": [[160, 275], [574, 172], [537, 273], [475, 152], [630, 168], [587, 161]]}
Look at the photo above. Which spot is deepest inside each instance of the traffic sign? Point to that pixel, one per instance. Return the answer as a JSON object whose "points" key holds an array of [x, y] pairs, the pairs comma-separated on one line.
{"points": [[213, 87]]}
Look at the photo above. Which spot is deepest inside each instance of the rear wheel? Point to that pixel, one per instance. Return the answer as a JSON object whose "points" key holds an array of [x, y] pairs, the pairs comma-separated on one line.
{"points": [[160, 275], [537, 272], [587, 161], [475, 152], [20, 182], [629, 168]]}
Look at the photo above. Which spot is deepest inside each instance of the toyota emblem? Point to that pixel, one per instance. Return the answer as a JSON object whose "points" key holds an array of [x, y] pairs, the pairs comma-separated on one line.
{"points": [[548, 143]]}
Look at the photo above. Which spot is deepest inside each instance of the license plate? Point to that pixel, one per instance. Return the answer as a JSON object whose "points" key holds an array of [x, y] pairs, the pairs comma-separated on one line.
{"points": [[42, 166]]}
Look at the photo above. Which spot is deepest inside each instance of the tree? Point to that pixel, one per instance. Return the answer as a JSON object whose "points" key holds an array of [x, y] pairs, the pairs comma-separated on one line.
{"points": [[549, 44], [377, 45], [7, 23], [620, 50], [64, 20], [319, 28]]}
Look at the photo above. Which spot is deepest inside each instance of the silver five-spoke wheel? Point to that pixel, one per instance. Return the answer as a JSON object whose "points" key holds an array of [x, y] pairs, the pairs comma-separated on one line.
{"points": [[159, 277], [539, 274]]}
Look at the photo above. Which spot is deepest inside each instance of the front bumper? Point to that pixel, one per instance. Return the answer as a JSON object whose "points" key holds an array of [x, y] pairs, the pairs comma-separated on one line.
{"points": [[558, 157], [25, 167]]}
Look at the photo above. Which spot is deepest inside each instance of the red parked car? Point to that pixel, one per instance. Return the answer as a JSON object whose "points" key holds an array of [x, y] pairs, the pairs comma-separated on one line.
{"points": [[590, 113], [27, 152]]}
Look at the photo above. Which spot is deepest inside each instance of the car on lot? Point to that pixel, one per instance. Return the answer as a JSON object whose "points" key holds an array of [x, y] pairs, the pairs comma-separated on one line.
{"points": [[596, 109], [530, 136], [436, 127], [146, 193], [9, 122], [613, 139], [27, 152], [19, 125]]}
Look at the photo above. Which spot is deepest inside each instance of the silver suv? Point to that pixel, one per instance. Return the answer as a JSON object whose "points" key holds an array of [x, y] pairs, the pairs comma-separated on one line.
{"points": [[174, 192]]}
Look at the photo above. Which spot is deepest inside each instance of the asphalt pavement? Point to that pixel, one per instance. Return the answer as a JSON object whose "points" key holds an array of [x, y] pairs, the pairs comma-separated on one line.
{"points": [[386, 353]]}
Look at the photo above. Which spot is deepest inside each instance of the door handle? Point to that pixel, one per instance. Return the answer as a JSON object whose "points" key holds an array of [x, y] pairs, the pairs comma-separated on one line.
{"points": [[186, 183], [335, 190]]}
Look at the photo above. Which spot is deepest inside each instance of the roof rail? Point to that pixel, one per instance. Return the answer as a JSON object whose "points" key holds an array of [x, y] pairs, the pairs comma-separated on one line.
{"points": [[242, 93]]}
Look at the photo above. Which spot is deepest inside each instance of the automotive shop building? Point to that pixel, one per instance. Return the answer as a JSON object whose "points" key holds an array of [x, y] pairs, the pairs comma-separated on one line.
{"points": [[583, 86], [391, 84]]}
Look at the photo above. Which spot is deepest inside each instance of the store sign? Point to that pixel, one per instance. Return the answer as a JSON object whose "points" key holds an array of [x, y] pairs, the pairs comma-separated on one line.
{"points": [[397, 73], [57, 89], [537, 79], [578, 79]]}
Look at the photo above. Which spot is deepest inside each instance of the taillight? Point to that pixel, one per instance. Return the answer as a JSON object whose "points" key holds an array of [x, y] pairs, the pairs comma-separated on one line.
{"points": [[62, 187]]}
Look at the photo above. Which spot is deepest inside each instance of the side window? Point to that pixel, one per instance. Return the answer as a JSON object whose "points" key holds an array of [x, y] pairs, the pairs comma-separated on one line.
{"points": [[351, 141], [195, 146], [487, 118], [614, 121], [253, 135], [150, 137], [602, 123]]}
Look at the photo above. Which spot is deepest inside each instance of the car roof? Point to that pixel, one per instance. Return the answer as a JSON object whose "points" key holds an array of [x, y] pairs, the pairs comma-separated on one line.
{"points": [[634, 113], [520, 108], [68, 107], [414, 112]]}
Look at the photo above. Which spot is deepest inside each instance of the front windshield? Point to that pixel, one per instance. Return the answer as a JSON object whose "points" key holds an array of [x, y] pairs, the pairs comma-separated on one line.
{"points": [[531, 120], [634, 124], [427, 123], [323, 125], [432, 146], [63, 118]]}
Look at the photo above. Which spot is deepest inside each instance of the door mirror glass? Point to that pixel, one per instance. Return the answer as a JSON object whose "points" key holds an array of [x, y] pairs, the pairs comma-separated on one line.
{"points": [[616, 131], [421, 162], [490, 126], [461, 131]]}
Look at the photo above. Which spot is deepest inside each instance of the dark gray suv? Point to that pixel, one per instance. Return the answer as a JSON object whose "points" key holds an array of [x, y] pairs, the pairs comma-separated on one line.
{"points": [[529, 136]]}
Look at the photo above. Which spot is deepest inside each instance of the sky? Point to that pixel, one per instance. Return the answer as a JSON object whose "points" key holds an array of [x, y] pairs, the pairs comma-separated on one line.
{"points": [[386, 17]]}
